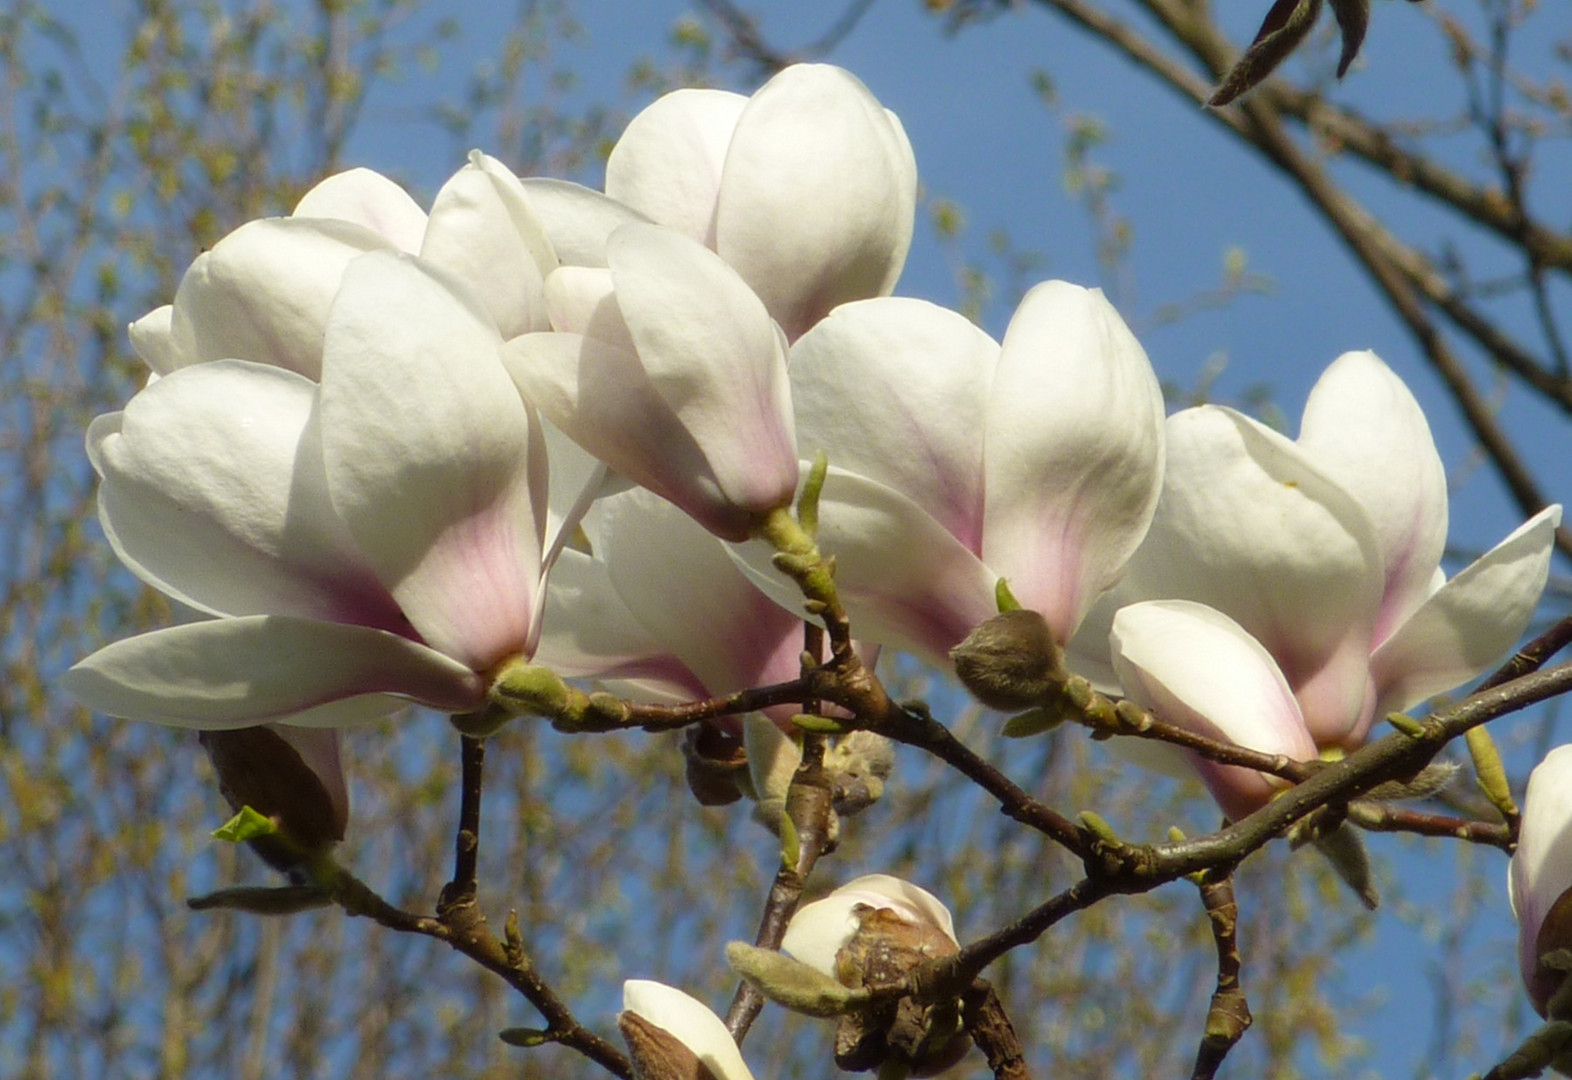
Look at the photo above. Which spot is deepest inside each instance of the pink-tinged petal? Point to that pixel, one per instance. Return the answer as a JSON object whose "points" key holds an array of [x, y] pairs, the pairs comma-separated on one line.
{"points": [[1364, 429], [714, 355], [821, 929], [1074, 452], [818, 197], [1541, 867], [319, 749], [370, 199], [588, 631], [1248, 524], [152, 339], [667, 164], [897, 390], [1197, 668], [230, 673], [433, 460], [485, 233], [689, 1022], [903, 579], [578, 220], [682, 586], [1471, 622], [264, 291], [213, 492]]}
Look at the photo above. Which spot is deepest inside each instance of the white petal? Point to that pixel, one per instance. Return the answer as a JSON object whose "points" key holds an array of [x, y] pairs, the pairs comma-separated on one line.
{"points": [[681, 585], [690, 1023], [821, 929], [230, 673], [667, 164], [897, 390], [818, 196], [904, 580], [1363, 428], [433, 460], [587, 630], [213, 492], [367, 198], [1197, 668], [264, 290], [152, 338], [1471, 622], [1248, 525], [600, 396], [484, 232], [578, 220], [714, 356], [1541, 867], [1074, 452]]}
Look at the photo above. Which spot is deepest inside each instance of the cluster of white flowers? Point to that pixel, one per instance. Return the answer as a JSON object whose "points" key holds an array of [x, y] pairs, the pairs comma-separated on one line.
{"points": [[374, 440]]}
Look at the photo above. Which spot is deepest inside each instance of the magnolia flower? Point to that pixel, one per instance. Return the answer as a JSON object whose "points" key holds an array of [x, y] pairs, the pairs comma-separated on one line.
{"points": [[877, 929], [922, 515], [1541, 874], [808, 188], [670, 1034], [374, 537], [263, 293], [820, 931], [667, 367], [1327, 552]]}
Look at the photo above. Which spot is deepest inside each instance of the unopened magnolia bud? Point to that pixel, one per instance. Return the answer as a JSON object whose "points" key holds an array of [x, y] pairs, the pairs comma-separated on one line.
{"points": [[858, 765], [792, 983], [656, 1054], [716, 765], [526, 689], [1344, 848], [1011, 662], [266, 768]]}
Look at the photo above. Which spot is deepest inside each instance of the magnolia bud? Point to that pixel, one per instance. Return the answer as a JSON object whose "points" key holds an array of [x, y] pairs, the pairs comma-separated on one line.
{"points": [[1011, 662], [874, 930], [858, 765], [672, 1036], [716, 764], [289, 774]]}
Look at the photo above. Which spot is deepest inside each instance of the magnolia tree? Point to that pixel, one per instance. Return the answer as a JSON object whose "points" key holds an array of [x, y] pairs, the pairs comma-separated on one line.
{"points": [[676, 455]]}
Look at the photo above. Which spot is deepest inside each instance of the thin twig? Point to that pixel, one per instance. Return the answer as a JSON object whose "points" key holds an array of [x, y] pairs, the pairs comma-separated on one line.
{"points": [[1381, 817], [1228, 1017]]}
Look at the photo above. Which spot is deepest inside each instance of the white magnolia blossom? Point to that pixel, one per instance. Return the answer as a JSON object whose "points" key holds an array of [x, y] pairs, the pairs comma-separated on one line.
{"points": [[1541, 872], [373, 537], [820, 930], [921, 514], [263, 292], [687, 1020], [666, 366], [808, 188], [1327, 551]]}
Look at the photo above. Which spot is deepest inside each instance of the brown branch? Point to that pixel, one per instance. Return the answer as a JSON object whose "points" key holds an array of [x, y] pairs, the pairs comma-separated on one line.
{"points": [[1228, 1017], [466, 842], [990, 1028], [807, 818], [1381, 817], [509, 962]]}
